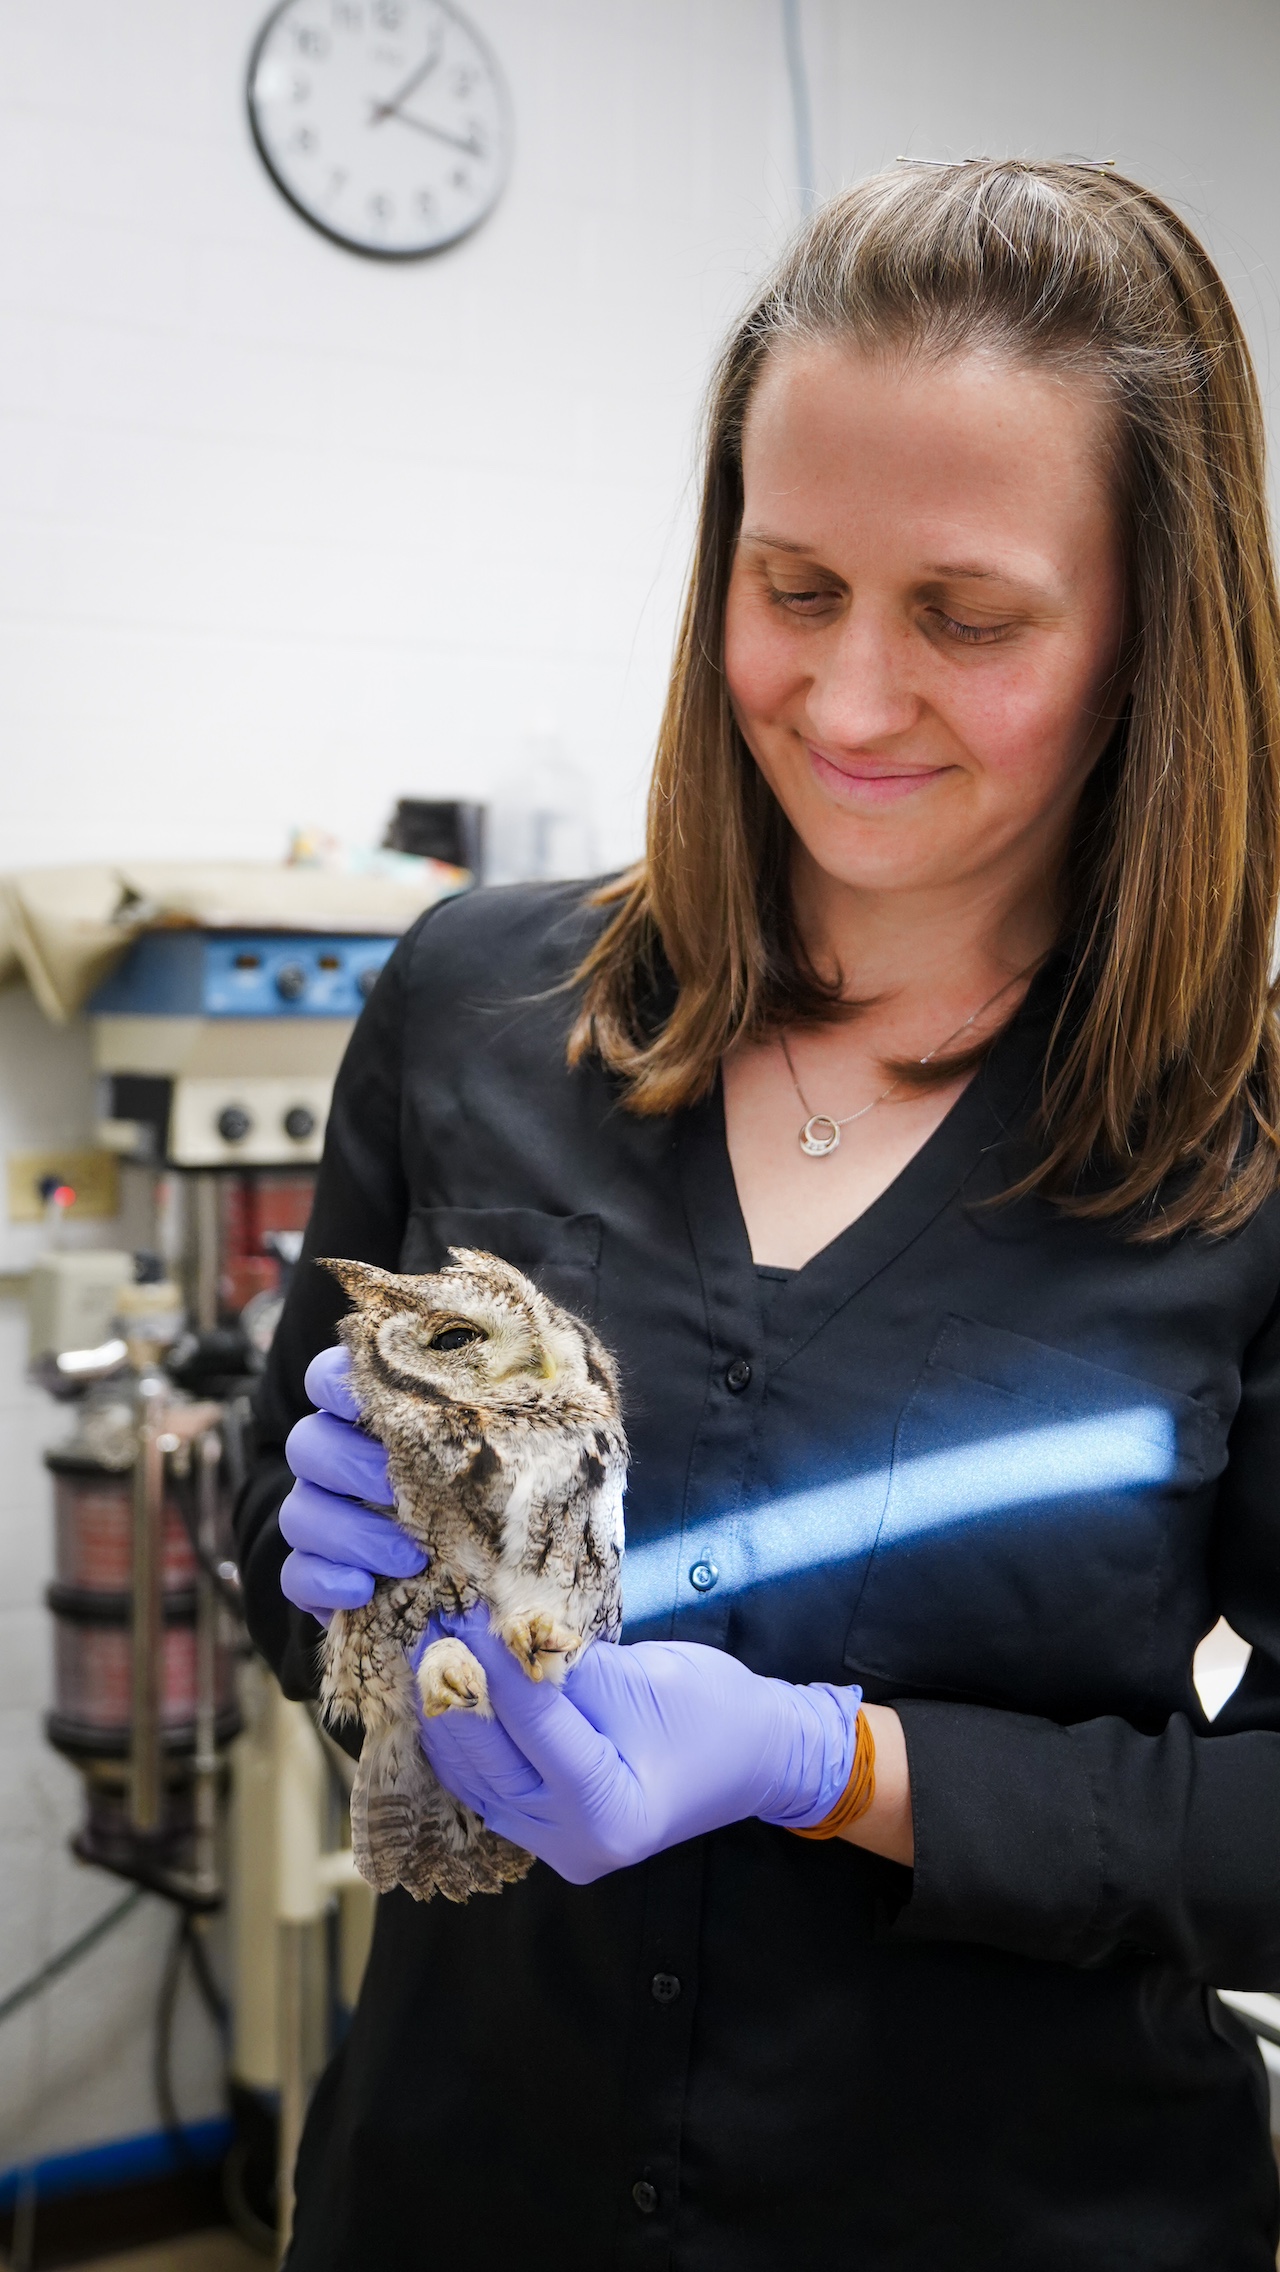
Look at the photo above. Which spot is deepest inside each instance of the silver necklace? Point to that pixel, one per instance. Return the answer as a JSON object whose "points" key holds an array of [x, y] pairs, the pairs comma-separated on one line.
{"points": [[821, 1131]]}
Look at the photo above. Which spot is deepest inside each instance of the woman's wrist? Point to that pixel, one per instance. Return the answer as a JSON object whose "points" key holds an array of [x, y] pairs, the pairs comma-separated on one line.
{"points": [[808, 1764], [886, 1827]]}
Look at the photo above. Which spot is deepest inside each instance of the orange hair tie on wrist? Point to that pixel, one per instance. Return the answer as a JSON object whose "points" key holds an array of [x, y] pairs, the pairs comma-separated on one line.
{"points": [[858, 1792]]}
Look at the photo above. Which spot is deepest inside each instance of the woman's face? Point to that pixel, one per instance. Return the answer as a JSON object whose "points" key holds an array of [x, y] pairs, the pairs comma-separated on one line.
{"points": [[925, 614]]}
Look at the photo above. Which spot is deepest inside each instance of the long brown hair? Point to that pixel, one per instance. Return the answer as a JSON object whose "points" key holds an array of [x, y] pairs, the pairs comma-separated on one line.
{"points": [[1162, 1090]]}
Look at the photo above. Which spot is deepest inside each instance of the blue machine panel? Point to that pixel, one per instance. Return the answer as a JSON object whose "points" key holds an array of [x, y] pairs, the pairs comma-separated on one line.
{"points": [[242, 974]]}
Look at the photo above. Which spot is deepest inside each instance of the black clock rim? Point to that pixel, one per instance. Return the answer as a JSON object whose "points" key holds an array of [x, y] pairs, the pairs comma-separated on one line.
{"points": [[335, 236]]}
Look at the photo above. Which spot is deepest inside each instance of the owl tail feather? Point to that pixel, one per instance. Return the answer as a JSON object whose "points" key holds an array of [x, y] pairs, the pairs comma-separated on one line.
{"points": [[407, 1830], [391, 1794]]}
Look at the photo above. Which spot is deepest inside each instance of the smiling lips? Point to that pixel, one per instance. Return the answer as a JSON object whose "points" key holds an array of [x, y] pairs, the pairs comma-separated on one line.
{"points": [[875, 780]]}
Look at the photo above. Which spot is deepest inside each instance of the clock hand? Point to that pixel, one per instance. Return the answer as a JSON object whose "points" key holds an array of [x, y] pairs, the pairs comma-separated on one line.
{"points": [[465, 143], [414, 81]]}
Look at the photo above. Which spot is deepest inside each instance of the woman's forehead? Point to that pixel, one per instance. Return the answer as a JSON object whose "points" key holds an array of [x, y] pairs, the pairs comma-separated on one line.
{"points": [[973, 457]]}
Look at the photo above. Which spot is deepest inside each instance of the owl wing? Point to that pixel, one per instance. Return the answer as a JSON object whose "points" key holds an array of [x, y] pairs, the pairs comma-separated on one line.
{"points": [[599, 1561], [576, 1544]]}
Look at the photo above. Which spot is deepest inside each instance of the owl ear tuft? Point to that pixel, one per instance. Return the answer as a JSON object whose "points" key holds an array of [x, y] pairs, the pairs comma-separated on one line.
{"points": [[493, 1268], [363, 1281], [475, 1259]]}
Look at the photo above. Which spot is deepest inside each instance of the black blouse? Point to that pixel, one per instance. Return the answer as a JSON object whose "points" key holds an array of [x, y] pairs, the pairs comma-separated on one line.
{"points": [[1003, 1468]]}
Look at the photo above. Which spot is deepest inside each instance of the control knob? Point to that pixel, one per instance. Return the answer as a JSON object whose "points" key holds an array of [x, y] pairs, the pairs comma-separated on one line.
{"points": [[291, 981], [233, 1124], [299, 1122]]}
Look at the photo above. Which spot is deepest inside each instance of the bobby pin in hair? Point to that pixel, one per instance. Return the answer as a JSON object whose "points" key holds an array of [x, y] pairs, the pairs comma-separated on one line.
{"points": [[1091, 165]]}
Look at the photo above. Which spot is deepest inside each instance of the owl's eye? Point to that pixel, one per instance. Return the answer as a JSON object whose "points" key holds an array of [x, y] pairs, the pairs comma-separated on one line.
{"points": [[455, 1337]]}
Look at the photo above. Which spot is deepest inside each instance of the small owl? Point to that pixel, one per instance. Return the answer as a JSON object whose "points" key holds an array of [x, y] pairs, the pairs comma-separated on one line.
{"points": [[499, 1413]]}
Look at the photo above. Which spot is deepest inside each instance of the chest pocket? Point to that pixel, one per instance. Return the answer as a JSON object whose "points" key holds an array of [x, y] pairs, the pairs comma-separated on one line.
{"points": [[1034, 1502], [561, 1253]]}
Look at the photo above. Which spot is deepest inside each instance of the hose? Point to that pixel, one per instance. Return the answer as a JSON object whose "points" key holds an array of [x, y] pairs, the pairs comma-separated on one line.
{"points": [[69, 1955], [162, 2041], [185, 1945]]}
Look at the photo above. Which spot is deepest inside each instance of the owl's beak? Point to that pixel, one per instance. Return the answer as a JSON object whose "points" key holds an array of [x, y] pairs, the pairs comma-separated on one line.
{"points": [[531, 1358]]}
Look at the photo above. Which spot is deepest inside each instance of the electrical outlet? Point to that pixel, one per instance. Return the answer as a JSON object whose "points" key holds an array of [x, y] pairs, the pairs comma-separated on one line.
{"points": [[93, 1176]]}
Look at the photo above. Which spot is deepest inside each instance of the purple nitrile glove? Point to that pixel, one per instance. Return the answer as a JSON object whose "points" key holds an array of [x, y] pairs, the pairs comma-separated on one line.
{"points": [[340, 1544], [645, 1745]]}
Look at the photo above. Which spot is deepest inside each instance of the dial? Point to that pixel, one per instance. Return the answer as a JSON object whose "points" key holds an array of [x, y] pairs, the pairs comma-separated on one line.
{"points": [[385, 122]]}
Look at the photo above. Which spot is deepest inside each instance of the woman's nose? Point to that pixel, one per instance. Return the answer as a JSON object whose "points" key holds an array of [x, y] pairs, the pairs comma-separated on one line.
{"points": [[860, 692]]}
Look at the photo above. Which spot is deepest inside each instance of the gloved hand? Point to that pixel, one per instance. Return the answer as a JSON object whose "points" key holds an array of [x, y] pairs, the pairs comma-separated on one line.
{"points": [[339, 1543], [645, 1745]]}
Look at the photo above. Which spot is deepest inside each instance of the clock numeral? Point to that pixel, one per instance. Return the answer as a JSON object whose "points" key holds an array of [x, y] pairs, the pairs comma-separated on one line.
{"points": [[388, 14], [337, 180], [305, 140], [309, 39], [347, 17], [425, 202], [460, 178], [381, 206], [463, 82]]}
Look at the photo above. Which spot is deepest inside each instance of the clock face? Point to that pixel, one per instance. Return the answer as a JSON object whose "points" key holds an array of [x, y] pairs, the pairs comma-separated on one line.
{"points": [[384, 122]]}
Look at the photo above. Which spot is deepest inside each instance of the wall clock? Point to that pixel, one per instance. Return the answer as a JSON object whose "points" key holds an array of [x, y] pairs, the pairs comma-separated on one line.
{"points": [[385, 122]]}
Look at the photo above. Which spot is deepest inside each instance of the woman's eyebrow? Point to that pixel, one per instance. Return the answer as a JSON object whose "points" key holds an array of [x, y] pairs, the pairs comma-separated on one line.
{"points": [[969, 570], [1035, 580], [1032, 579], [776, 543]]}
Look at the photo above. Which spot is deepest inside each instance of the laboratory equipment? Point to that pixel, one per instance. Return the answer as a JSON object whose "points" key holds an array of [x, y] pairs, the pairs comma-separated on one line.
{"points": [[216, 1052], [71, 1298], [219, 1048], [448, 829]]}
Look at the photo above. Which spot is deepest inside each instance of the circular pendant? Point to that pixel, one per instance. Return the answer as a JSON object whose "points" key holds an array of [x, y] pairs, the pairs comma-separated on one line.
{"points": [[819, 1136]]}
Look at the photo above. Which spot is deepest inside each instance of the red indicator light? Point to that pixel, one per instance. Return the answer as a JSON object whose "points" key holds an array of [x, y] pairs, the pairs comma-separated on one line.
{"points": [[64, 1196]]}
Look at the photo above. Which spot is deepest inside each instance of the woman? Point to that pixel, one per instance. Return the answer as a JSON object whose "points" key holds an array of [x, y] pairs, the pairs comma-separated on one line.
{"points": [[907, 1123]]}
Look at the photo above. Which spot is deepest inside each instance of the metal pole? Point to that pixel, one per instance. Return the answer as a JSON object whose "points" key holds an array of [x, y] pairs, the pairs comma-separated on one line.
{"points": [[208, 1453], [145, 1759], [291, 1974], [207, 1242], [301, 1901]]}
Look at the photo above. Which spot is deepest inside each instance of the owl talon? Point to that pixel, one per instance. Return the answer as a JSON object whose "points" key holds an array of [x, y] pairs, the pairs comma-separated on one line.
{"points": [[531, 1639], [450, 1679]]}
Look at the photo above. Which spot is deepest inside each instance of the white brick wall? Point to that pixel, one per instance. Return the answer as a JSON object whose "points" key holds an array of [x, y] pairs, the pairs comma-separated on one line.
{"points": [[285, 534], [288, 532]]}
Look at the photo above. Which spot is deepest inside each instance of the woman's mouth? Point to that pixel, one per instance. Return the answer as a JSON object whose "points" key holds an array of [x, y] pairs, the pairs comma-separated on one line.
{"points": [[864, 779]]}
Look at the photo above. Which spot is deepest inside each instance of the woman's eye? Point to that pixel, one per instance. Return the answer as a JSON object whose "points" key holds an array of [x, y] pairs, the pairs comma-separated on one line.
{"points": [[455, 1337], [970, 634], [799, 603]]}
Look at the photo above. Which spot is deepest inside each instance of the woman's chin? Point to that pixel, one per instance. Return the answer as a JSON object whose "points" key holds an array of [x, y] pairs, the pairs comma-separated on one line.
{"points": [[876, 869]]}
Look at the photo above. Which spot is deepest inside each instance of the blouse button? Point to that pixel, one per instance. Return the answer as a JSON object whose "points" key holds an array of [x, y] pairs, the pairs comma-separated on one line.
{"points": [[664, 1987], [703, 1575], [738, 1376], [645, 2197]]}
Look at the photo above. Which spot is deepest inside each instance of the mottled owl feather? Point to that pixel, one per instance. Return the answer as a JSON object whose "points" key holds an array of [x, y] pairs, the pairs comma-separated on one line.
{"points": [[499, 1413]]}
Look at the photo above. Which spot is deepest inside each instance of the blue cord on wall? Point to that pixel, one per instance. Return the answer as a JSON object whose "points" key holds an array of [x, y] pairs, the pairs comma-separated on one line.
{"points": [[801, 109]]}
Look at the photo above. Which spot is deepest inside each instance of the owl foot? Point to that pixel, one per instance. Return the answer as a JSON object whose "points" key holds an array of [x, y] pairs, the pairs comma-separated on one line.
{"points": [[540, 1644], [450, 1679]]}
